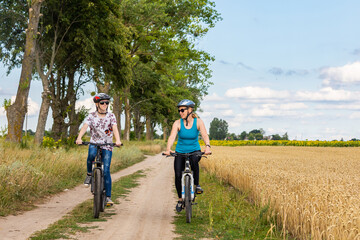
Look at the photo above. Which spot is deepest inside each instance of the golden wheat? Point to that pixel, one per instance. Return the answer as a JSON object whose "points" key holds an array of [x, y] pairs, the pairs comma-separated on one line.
{"points": [[314, 193]]}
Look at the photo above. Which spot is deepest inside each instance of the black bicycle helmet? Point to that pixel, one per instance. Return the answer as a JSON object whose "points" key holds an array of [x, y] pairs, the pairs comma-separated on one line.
{"points": [[186, 103], [101, 96]]}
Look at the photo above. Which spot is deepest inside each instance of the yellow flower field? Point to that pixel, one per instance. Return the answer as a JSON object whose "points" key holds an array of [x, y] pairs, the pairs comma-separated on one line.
{"points": [[314, 193], [284, 143]]}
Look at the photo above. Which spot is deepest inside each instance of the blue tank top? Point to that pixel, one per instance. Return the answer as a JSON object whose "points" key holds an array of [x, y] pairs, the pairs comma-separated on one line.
{"points": [[188, 140]]}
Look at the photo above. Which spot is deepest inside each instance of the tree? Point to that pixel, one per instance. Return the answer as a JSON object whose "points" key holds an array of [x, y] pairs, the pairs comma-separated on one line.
{"points": [[275, 137], [243, 135], [16, 112], [285, 137], [218, 129], [251, 136], [258, 136]]}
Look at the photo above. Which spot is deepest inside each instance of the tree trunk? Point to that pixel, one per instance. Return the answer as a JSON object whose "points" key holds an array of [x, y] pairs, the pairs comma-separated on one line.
{"points": [[127, 114], [103, 88], [71, 98], [44, 112], [138, 125], [16, 112], [148, 128], [165, 129], [117, 111]]}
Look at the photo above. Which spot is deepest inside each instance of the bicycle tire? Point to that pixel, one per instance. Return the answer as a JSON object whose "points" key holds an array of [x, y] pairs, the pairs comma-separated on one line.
{"points": [[103, 198], [97, 192], [188, 205]]}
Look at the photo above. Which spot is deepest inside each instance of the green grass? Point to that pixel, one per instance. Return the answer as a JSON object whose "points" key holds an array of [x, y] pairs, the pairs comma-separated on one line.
{"points": [[83, 213], [223, 212]]}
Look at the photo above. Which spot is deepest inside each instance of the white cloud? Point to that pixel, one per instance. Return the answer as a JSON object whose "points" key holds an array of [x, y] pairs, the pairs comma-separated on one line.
{"points": [[213, 97], [33, 107], [2, 112], [87, 103], [327, 94], [292, 106], [355, 115], [221, 106], [264, 112], [228, 113], [271, 131], [350, 106], [347, 74], [279, 110], [253, 93]]}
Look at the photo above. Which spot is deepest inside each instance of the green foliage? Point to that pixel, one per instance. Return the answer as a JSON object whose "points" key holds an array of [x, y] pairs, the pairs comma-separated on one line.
{"points": [[49, 142], [218, 129], [6, 104], [3, 131]]}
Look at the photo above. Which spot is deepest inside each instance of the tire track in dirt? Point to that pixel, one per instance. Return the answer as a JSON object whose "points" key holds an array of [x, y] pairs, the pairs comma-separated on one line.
{"points": [[146, 213]]}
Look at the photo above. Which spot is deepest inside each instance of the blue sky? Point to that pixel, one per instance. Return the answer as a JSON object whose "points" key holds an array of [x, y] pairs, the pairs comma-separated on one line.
{"points": [[284, 66]]}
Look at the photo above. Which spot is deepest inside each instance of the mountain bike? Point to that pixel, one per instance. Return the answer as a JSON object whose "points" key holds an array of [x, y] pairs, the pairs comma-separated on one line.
{"points": [[188, 193], [97, 179]]}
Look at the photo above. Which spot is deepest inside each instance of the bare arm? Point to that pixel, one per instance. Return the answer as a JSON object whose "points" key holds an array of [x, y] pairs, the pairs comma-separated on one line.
{"points": [[116, 134], [204, 136], [81, 133], [171, 139]]}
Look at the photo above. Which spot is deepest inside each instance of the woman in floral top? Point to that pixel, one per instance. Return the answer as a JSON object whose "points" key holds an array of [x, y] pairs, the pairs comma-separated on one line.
{"points": [[102, 129]]}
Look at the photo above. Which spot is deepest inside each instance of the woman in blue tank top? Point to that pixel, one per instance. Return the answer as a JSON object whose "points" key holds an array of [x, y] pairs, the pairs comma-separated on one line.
{"points": [[187, 128]]}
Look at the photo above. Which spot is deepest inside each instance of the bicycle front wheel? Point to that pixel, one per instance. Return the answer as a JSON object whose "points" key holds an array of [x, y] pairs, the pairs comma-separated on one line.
{"points": [[97, 192], [188, 206]]}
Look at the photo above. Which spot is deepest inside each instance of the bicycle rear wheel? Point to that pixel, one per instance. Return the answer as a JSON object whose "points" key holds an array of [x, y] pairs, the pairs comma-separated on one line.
{"points": [[97, 192], [188, 206]]}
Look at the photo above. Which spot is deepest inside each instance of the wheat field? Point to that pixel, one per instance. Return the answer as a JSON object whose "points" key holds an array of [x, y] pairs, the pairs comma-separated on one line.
{"points": [[313, 193]]}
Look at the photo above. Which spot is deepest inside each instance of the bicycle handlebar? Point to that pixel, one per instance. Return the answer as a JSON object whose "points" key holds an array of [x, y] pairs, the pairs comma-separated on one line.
{"points": [[174, 154], [101, 144]]}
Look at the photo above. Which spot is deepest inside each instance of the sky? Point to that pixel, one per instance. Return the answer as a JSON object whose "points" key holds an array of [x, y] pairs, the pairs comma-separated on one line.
{"points": [[283, 66]]}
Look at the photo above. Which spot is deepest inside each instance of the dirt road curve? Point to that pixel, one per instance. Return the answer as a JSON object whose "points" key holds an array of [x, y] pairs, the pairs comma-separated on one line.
{"points": [[147, 212]]}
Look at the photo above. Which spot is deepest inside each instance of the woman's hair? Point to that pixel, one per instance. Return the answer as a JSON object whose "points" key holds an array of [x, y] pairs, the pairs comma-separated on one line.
{"points": [[194, 115]]}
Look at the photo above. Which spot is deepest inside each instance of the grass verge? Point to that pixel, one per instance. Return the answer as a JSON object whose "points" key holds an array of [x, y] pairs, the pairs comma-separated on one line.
{"points": [[223, 212], [28, 175], [148, 147], [83, 213]]}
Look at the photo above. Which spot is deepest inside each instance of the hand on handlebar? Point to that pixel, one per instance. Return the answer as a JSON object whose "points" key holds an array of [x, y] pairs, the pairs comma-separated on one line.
{"points": [[168, 153], [207, 152], [78, 141]]}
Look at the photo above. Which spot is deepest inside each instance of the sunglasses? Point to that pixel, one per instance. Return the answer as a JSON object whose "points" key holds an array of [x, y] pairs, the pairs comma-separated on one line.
{"points": [[102, 103], [182, 110]]}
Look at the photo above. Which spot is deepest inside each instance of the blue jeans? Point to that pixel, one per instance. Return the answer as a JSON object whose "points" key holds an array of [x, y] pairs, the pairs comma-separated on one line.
{"points": [[106, 158]]}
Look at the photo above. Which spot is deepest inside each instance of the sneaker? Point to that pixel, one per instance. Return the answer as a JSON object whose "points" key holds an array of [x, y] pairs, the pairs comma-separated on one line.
{"points": [[109, 202], [199, 190], [179, 206], [87, 181]]}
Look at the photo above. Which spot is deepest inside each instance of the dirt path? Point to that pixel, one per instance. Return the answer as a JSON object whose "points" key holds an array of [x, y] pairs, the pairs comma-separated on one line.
{"points": [[146, 213], [133, 213]]}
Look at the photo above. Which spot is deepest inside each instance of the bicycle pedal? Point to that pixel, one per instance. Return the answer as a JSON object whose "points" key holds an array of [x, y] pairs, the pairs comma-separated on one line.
{"points": [[194, 203]]}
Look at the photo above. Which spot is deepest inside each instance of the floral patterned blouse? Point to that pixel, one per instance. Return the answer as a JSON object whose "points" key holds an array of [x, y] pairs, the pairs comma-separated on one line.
{"points": [[101, 130]]}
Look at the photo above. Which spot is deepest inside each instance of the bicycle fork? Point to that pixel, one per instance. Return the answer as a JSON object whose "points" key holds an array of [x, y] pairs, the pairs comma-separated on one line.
{"points": [[192, 192]]}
